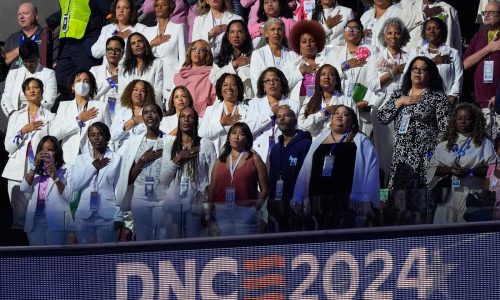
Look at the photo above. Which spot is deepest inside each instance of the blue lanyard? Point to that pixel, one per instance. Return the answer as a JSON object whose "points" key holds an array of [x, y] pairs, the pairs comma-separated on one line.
{"points": [[341, 140], [464, 147], [34, 38]]}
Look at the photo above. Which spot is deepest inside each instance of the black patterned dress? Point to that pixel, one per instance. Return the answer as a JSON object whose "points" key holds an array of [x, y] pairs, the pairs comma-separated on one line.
{"points": [[412, 150]]}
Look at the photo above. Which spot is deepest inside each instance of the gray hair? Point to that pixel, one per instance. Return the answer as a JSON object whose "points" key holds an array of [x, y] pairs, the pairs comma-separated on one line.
{"points": [[263, 41], [405, 34]]}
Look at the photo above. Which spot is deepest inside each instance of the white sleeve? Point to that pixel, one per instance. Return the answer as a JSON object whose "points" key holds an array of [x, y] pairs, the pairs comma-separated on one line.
{"points": [[99, 48], [49, 90], [456, 88], [7, 104]]}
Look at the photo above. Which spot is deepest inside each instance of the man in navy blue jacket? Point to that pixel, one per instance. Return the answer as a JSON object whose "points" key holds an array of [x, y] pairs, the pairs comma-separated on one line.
{"points": [[285, 160]]}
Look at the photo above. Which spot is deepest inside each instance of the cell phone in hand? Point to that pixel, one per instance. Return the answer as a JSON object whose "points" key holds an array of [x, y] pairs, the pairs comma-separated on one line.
{"points": [[49, 159]]}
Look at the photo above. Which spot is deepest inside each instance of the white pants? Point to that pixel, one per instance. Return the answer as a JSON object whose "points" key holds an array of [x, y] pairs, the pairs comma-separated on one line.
{"points": [[239, 220], [19, 204], [95, 230], [41, 235]]}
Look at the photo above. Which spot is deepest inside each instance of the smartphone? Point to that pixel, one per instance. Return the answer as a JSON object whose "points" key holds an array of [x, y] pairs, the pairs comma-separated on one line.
{"points": [[49, 159]]}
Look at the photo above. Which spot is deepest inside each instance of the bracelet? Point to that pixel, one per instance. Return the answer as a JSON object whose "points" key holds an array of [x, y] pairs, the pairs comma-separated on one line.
{"points": [[18, 137]]}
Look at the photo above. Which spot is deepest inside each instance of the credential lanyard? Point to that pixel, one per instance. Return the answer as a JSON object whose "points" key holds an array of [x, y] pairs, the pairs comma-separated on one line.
{"points": [[461, 151], [341, 140], [232, 168]]}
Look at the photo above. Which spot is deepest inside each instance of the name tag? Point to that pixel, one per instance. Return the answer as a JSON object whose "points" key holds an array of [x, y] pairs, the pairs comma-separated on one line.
{"points": [[488, 71], [184, 186], [230, 197], [111, 104], [455, 182], [328, 165], [95, 200], [403, 126], [350, 89], [279, 190], [149, 185]]}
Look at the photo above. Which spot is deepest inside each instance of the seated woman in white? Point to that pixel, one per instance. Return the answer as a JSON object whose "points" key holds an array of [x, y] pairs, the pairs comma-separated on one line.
{"points": [[124, 23], [95, 177], [211, 22], [128, 119], [168, 41], [25, 130], [179, 99], [272, 92], [74, 117], [140, 63], [48, 217], [223, 114]]}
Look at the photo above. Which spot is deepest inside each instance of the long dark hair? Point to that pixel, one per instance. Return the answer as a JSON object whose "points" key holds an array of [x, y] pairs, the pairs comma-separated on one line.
{"points": [[226, 49], [478, 126], [58, 151], [435, 81], [314, 103], [134, 16], [285, 11], [177, 146], [226, 150], [130, 61], [285, 89]]}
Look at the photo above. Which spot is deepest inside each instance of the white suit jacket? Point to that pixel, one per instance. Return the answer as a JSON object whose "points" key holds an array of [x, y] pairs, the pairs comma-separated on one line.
{"points": [[153, 75], [57, 211], [169, 123], [262, 59], [368, 17], [65, 127], [99, 47], [243, 72], [15, 167], [294, 76], [335, 35], [118, 136], [13, 87], [101, 75]]}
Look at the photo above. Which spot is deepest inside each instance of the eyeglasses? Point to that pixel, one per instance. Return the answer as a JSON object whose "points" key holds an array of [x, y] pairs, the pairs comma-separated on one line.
{"points": [[198, 50], [113, 50], [419, 70], [352, 29], [271, 81], [489, 12]]}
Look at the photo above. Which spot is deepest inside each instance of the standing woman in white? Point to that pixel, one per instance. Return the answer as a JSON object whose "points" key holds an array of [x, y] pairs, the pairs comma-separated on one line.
{"points": [[333, 18], [125, 22], [272, 92], [140, 63], [25, 130], [179, 99], [168, 41], [374, 18], [225, 112], [74, 117], [211, 22], [95, 176]]}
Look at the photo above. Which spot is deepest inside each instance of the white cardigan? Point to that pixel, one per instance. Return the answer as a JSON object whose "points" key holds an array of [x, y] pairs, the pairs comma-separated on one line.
{"points": [[365, 184], [16, 165], [13, 88], [153, 75], [99, 47], [262, 59], [211, 128], [57, 211]]}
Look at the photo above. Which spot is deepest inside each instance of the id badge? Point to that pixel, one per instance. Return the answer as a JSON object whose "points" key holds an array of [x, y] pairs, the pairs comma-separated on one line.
{"points": [[65, 23], [328, 165], [350, 89], [309, 90], [40, 207], [149, 183], [279, 190], [184, 186], [31, 156], [111, 104], [488, 71], [455, 182], [230, 197], [403, 126], [271, 142], [94, 200]]}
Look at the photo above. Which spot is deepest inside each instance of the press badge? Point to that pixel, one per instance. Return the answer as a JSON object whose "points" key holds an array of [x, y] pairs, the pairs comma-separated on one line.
{"points": [[94, 200], [279, 190], [184, 186], [328, 165], [40, 207], [350, 89], [455, 182], [149, 183], [403, 126], [488, 71], [230, 197], [65, 23]]}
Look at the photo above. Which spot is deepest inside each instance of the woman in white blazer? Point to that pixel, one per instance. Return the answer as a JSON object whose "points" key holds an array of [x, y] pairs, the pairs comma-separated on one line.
{"points": [[48, 216], [106, 75], [25, 130], [168, 41], [94, 178], [211, 22], [13, 97], [223, 114], [374, 18], [273, 54], [272, 92], [128, 119], [140, 63], [179, 99], [125, 22], [140, 189], [74, 117], [187, 165]]}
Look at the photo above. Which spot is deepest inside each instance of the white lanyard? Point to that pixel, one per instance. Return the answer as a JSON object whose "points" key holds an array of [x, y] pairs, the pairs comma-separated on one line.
{"points": [[231, 168], [226, 111]]}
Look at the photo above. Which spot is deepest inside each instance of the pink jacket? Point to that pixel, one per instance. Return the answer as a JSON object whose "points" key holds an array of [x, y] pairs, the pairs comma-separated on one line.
{"points": [[198, 83], [252, 16], [179, 15]]}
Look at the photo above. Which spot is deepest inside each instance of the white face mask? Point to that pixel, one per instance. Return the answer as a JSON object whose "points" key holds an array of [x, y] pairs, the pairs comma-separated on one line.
{"points": [[82, 88]]}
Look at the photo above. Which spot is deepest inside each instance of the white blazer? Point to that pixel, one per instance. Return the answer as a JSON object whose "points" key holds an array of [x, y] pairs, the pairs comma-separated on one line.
{"points": [[259, 120], [172, 53], [211, 128], [118, 135], [335, 35], [169, 123], [153, 75], [84, 178], [99, 47], [263, 58], [15, 167], [204, 23], [13, 88], [369, 22], [295, 77], [65, 127], [57, 211], [243, 72], [101, 75]]}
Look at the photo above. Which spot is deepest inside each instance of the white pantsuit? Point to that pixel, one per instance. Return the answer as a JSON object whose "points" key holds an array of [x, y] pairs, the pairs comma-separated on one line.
{"points": [[99, 47]]}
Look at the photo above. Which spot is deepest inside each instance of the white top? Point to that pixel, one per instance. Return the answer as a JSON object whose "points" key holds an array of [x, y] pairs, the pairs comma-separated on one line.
{"points": [[153, 75], [335, 35], [376, 25], [292, 72], [99, 47], [169, 123]]}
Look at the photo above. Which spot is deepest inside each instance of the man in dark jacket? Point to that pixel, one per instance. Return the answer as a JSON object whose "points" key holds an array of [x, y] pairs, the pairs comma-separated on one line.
{"points": [[285, 160]]}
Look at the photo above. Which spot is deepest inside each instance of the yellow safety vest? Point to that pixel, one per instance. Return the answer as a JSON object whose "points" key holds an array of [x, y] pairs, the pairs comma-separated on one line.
{"points": [[76, 15]]}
